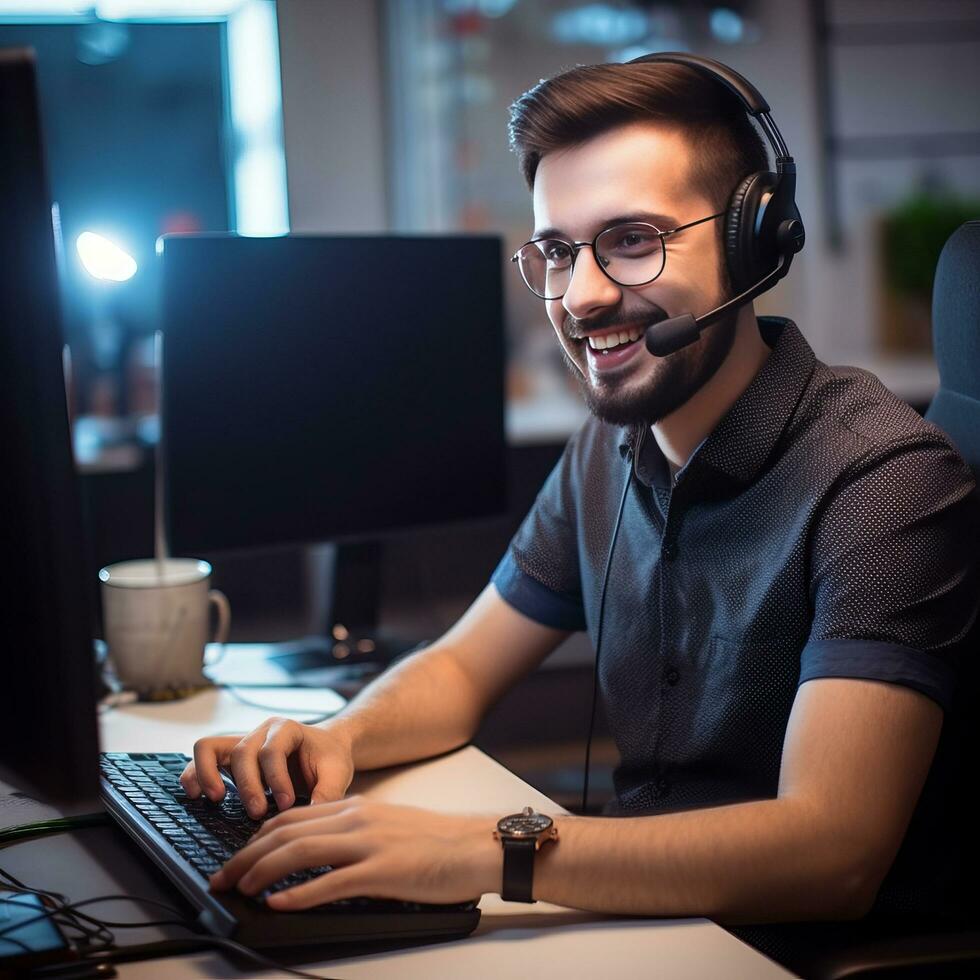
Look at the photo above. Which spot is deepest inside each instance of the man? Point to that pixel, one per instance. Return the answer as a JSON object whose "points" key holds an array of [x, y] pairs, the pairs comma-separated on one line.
{"points": [[782, 608]]}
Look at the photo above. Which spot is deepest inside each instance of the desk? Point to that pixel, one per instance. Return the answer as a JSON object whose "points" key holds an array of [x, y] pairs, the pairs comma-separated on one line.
{"points": [[540, 941]]}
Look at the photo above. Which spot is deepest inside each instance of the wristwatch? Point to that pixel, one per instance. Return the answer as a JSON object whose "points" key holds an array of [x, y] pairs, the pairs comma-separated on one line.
{"points": [[521, 834]]}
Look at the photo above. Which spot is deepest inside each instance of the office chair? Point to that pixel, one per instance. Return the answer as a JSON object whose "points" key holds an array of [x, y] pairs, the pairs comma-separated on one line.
{"points": [[956, 341], [956, 410]]}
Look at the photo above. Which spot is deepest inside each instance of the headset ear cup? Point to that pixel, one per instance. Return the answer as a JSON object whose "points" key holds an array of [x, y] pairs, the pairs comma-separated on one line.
{"points": [[748, 258]]}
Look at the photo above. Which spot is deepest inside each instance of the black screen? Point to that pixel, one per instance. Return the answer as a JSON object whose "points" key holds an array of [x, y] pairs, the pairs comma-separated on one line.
{"points": [[47, 691], [324, 388]]}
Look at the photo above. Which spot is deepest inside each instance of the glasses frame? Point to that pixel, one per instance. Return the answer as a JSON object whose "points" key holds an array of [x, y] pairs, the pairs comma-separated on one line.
{"points": [[577, 246]]}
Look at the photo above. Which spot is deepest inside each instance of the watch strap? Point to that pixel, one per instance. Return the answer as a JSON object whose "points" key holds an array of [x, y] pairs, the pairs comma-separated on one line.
{"points": [[518, 869]]}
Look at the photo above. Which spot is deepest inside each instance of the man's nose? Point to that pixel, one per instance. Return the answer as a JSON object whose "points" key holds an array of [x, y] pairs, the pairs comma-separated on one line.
{"points": [[590, 289]]}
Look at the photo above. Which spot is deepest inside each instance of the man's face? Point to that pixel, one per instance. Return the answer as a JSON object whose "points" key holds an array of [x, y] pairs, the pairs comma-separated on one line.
{"points": [[636, 172]]}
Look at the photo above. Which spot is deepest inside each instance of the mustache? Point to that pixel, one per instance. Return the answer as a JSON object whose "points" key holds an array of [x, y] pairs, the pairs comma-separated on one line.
{"points": [[579, 329]]}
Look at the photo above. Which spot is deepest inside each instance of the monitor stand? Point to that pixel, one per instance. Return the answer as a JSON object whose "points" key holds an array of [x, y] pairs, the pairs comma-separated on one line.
{"points": [[346, 648], [345, 599]]}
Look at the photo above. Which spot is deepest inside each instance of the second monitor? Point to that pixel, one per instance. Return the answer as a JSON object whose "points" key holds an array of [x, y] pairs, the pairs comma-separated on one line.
{"points": [[329, 388]]}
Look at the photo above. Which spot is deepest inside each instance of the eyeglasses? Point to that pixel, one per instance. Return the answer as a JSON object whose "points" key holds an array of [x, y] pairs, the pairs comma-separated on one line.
{"points": [[631, 254]]}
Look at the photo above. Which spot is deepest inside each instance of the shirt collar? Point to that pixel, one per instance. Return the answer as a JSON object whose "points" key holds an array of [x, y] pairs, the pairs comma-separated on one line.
{"points": [[741, 442]]}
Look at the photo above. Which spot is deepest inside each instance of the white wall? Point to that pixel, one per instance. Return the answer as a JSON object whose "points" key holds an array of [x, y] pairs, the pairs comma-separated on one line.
{"points": [[876, 90], [335, 117], [333, 103]]}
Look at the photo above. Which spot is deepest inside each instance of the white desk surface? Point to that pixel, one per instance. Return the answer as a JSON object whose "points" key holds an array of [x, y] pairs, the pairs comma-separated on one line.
{"points": [[538, 941]]}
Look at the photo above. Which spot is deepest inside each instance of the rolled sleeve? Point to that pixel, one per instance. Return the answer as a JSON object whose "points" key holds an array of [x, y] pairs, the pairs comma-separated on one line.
{"points": [[540, 573], [537, 601], [876, 661]]}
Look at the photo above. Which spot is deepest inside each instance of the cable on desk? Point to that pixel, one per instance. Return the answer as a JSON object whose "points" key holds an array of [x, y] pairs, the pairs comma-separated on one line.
{"points": [[99, 944], [277, 708], [122, 698], [197, 944], [70, 907], [57, 825], [80, 923], [89, 939], [118, 954]]}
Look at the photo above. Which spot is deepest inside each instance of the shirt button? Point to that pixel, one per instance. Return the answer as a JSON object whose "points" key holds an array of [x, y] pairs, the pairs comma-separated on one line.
{"points": [[672, 675]]}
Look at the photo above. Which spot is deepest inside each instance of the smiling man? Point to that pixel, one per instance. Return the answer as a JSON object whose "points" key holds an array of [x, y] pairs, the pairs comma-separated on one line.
{"points": [[601, 324], [774, 559]]}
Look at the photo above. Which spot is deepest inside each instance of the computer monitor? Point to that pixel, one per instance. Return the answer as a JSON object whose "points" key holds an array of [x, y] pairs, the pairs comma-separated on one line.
{"points": [[330, 388], [48, 738]]}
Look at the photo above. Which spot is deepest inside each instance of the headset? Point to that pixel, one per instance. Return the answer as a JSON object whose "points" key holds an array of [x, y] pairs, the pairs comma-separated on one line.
{"points": [[763, 231], [763, 228]]}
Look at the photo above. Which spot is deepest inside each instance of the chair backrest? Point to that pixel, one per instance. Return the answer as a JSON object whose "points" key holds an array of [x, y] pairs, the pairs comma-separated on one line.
{"points": [[956, 342], [956, 410]]}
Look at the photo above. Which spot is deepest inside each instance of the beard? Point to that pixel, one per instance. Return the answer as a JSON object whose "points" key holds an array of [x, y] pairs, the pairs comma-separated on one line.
{"points": [[670, 384]]}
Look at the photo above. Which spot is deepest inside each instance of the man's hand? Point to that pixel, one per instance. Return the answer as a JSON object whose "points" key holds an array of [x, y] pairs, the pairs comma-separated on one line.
{"points": [[375, 849], [284, 755]]}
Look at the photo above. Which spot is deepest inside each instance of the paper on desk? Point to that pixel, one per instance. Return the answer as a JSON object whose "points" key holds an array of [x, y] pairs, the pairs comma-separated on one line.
{"points": [[174, 726]]}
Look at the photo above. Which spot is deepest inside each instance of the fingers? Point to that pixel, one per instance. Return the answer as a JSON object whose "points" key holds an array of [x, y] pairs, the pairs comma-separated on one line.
{"points": [[298, 855], [201, 775], [291, 755], [347, 882], [190, 782], [262, 759], [292, 848], [282, 739], [331, 781], [244, 764], [301, 815]]}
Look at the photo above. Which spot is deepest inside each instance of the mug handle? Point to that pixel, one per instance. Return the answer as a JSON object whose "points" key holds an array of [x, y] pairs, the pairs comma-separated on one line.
{"points": [[224, 615]]}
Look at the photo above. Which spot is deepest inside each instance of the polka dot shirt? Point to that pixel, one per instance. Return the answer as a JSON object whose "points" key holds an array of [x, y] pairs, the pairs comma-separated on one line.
{"points": [[822, 529]]}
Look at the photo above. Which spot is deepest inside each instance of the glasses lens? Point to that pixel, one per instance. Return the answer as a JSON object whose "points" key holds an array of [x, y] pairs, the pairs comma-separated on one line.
{"points": [[631, 254], [546, 267]]}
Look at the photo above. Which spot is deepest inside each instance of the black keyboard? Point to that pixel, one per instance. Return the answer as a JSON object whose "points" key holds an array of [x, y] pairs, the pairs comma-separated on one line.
{"points": [[190, 839]]}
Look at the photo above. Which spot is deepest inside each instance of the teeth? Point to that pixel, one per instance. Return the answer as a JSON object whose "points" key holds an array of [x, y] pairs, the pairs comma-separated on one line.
{"points": [[611, 340]]}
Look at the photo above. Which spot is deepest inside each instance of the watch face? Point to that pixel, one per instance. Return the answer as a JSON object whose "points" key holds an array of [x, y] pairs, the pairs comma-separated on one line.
{"points": [[524, 824]]}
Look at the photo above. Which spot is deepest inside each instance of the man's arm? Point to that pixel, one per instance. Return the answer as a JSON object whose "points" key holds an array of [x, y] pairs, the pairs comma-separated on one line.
{"points": [[429, 703], [855, 758], [434, 701]]}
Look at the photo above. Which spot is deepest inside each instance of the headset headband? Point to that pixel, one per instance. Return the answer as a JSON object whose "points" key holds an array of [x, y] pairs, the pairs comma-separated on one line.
{"points": [[750, 97]]}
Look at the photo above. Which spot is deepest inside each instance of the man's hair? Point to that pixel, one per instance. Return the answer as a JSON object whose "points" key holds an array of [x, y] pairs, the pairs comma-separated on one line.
{"points": [[572, 107]]}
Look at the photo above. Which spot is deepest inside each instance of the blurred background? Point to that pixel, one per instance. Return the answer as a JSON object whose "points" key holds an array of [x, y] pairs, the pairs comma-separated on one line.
{"points": [[336, 116], [375, 115]]}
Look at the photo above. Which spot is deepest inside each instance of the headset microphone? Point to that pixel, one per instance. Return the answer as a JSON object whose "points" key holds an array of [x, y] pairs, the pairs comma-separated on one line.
{"points": [[669, 336], [763, 229]]}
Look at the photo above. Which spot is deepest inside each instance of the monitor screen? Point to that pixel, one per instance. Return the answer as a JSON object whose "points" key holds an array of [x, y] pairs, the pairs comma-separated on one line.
{"points": [[328, 388], [48, 741]]}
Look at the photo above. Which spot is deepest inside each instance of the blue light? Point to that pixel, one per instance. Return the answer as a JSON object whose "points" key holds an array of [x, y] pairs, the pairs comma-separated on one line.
{"points": [[103, 259], [40, 9], [599, 24], [193, 10], [726, 25], [118, 10], [255, 91]]}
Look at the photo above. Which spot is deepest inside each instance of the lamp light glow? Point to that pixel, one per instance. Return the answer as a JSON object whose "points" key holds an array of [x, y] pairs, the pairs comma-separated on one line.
{"points": [[104, 259], [255, 97]]}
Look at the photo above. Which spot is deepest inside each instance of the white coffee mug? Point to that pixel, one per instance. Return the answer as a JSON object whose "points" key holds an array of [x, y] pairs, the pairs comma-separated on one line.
{"points": [[155, 614]]}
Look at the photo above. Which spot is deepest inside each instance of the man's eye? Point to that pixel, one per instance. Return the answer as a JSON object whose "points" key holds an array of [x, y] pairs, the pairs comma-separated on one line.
{"points": [[633, 239], [556, 251], [627, 242]]}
